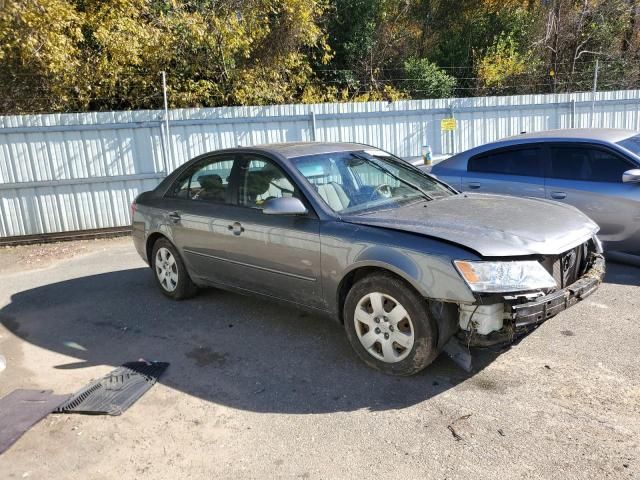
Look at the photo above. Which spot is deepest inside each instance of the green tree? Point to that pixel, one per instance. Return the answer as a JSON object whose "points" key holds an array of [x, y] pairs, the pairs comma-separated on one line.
{"points": [[502, 68], [79, 55], [426, 80], [371, 39], [100, 55], [571, 35], [38, 56]]}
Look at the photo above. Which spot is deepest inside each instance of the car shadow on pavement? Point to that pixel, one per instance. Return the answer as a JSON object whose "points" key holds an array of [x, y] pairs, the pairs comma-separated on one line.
{"points": [[622, 274], [239, 351]]}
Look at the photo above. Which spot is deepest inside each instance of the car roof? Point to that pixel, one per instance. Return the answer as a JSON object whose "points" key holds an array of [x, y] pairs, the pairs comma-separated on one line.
{"points": [[300, 149], [596, 135], [600, 134]]}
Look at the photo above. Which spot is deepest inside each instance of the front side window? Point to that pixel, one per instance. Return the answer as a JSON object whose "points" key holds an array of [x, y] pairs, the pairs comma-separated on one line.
{"points": [[208, 182], [526, 162], [262, 180], [361, 180], [587, 164]]}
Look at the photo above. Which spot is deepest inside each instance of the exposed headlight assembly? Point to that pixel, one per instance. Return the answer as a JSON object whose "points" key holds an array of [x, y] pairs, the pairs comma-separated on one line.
{"points": [[499, 277]]}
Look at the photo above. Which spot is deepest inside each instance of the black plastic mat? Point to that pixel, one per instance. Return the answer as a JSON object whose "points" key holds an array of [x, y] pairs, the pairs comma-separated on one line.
{"points": [[22, 409], [116, 391]]}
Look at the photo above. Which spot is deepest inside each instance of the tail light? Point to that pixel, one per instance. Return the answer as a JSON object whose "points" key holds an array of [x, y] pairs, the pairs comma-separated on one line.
{"points": [[133, 209]]}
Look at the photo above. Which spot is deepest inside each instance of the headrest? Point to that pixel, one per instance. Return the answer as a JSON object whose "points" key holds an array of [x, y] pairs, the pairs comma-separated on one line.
{"points": [[210, 180]]}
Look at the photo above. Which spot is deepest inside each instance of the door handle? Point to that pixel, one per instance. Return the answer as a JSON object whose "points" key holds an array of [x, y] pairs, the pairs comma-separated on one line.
{"points": [[473, 185], [558, 195], [236, 228], [174, 217]]}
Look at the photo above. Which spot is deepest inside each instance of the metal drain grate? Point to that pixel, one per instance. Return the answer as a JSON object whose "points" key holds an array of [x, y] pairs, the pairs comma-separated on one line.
{"points": [[116, 391]]}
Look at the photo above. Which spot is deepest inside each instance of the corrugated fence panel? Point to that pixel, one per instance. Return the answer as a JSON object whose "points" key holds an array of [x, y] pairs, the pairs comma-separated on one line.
{"points": [[66, 172], [63, 208]]}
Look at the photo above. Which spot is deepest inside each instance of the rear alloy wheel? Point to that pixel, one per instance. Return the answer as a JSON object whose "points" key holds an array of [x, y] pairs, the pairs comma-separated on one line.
{"points": [[166, 269], [170, 271], [389, 326]]}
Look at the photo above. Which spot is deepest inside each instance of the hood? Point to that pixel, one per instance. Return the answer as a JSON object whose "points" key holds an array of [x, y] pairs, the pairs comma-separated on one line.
{"points": [[492, 225]]}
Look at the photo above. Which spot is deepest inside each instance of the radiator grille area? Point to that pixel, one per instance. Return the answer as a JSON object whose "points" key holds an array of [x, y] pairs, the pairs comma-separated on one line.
{"points": [[569, 266]]}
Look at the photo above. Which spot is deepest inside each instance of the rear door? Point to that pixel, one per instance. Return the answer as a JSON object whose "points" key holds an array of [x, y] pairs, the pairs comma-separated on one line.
{"points": [[198, 215], [275, 255], [511, 171], [589, 177]]}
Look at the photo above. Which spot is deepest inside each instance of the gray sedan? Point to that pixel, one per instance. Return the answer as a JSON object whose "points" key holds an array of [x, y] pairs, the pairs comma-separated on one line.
{"points": [[407, 264], [595, 170]]}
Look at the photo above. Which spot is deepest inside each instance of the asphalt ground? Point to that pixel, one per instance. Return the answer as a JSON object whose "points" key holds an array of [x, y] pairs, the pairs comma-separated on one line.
{"points": [[261, 390]]}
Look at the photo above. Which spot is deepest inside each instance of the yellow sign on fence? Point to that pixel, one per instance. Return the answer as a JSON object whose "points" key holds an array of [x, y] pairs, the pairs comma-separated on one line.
{"points": [[448, 124]]}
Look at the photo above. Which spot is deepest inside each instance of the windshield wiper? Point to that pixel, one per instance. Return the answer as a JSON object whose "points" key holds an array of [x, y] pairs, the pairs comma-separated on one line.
{"points": [[390, 173]]}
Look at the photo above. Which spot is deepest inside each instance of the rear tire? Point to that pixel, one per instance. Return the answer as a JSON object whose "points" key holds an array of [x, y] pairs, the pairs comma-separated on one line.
{"points": [[389, 325], [170, 272]]}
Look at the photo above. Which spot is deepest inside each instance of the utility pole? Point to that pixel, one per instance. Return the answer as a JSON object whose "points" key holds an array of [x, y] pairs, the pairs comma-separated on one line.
{"points": [[166, 124], [593, 93]]}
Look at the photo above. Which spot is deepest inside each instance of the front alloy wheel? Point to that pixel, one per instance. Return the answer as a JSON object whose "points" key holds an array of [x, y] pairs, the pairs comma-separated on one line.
{"points": [[384, 327], [389, 325]]}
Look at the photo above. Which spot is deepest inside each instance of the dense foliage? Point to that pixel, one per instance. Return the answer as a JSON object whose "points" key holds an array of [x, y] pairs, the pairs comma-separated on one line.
{"points": [[81, 55]]}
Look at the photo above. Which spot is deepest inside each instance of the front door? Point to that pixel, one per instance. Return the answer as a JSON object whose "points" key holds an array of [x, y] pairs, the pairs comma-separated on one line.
{"points": [[276, 255], [589, 177]]}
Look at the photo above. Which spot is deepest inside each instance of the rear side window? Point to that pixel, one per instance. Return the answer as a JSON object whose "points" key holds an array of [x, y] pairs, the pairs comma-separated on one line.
{"points": [[587, 164], [206, 182], [526, 162]]}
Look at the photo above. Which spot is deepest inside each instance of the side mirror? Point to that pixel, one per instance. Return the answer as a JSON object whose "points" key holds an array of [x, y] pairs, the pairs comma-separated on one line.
{"points": [[631, 176], [284, 206]]}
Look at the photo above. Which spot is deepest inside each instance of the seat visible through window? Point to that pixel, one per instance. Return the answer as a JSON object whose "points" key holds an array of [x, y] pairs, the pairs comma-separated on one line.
{"points": [[211, 188], [208, 181], [262, 181], [334, 195]]}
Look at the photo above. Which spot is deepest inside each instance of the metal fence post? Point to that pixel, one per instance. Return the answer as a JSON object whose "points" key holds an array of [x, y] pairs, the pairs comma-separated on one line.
{"points": [[572, 118], [169, 151], [593, 94], [453, 133], [312, 125]]}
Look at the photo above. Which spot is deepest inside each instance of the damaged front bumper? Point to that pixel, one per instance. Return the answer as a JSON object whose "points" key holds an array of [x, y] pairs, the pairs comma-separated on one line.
{"points": [[521, 316], [545, 307]]}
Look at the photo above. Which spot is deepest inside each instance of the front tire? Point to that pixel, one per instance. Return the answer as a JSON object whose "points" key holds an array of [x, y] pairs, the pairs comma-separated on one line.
{"points": [[170, 272], [389, 326]]}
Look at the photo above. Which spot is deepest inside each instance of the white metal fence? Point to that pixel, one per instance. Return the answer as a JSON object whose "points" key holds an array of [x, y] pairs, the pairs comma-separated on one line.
{"points": [[67, 172]]}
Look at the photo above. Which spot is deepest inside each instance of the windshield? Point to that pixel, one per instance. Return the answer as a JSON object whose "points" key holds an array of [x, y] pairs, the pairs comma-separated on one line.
{"points": [[632, 144], [369, 179]]}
